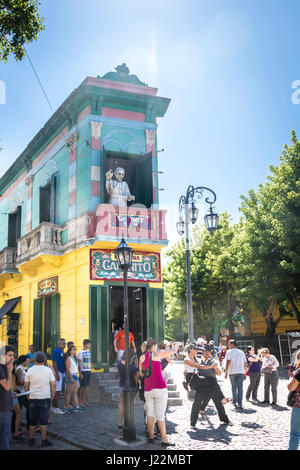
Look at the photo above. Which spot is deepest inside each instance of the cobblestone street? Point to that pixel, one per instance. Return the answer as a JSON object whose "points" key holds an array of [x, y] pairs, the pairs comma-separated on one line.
{"points": [[256, 427]]}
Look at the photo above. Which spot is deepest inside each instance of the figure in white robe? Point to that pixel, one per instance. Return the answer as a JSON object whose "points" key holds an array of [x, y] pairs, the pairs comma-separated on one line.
{"points": [[118, 190]]}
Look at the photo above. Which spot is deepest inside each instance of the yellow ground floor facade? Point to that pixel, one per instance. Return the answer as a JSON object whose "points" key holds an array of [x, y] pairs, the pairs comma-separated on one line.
{"points": [[59, 298]]}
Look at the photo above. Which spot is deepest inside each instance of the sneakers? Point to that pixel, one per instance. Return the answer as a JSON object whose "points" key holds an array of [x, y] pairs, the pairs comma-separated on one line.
{"points": [[57, 411], [79, 409], [46, 443], [67, 411]]}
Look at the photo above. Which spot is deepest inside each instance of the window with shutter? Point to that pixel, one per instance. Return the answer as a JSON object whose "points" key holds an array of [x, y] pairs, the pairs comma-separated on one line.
{"points": [[138, 174]]}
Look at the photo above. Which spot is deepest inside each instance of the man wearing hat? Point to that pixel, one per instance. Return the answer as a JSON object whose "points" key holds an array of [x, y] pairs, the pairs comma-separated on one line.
{"points": [[200, 343], [214, 391]]}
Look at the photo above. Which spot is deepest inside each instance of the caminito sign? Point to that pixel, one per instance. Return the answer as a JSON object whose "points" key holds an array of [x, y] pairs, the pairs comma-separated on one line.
{"points": [[145, 266]]}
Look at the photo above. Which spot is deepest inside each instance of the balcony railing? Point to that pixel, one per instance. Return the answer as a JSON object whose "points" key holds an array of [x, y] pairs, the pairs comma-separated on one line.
{"points": [[46, 238]]}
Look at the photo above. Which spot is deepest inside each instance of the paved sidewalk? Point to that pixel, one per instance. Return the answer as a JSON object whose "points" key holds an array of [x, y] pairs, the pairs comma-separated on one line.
{"points": [[257, 427]]}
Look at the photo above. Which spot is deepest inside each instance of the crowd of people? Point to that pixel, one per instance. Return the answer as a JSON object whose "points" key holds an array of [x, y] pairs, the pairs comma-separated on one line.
{"points": [[31, 382], [236, 366]]}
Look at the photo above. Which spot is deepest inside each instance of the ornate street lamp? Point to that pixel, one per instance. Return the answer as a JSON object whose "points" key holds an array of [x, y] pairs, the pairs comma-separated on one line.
{"points": [[124, 257], [187, 205]]}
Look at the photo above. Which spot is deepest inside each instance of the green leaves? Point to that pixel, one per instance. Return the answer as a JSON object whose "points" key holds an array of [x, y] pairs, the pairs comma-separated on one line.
{"points": [[20, 24], [254, 264]]}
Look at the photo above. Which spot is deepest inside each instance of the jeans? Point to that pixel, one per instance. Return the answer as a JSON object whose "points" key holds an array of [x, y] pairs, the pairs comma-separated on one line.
{"points": [[295, 429], [254, 383], [237, 381], [271, 380], [5, 419]]}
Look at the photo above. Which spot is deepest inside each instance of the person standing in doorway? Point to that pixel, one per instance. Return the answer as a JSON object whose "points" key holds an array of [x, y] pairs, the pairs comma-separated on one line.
{"points": [[58, 363], [119, 343], [85, 367], [236, 368], [6, 406]]}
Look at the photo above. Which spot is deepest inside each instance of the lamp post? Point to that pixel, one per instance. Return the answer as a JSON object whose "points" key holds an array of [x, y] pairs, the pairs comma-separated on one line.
{"points": [[124, 256], [187, 205]]}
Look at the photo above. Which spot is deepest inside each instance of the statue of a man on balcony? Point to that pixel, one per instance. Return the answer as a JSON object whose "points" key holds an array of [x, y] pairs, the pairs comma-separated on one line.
{"points": [[118, 190]]}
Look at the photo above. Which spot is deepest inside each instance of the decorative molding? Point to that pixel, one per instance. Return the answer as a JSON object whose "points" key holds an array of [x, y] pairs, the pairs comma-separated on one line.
{"points": [[96, 129], [150, 137], [122, 74], [71, 141], [29, 180]]}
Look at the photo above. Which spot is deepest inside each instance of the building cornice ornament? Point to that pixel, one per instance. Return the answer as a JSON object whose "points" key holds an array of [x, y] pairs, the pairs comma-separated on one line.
{"points": [[150, 137], [96, 128], [71, 141], [29, 180]]}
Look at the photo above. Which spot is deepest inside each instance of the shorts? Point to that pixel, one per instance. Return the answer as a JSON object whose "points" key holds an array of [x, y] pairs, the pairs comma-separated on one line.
{"points": [[68, 380], [39, 411], [15, 401], [132, 390], [86, 374], [59, 382], [156, 403]]}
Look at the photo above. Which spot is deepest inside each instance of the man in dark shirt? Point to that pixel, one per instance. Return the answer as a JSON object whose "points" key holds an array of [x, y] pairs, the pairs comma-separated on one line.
{"points": [[214, 391], [6, 367]]}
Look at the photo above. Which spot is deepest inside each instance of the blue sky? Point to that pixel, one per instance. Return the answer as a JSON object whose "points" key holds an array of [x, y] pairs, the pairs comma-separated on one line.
{"points": [[228, 67]]}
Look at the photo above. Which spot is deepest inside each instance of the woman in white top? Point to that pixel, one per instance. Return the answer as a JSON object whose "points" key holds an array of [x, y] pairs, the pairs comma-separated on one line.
{"points": [[22, 363], [72, 381], [269, 369]]}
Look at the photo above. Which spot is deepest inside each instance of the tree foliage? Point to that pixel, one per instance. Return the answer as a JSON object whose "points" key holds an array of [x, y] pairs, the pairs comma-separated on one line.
{"points": [[20, 24], [254, 264]]}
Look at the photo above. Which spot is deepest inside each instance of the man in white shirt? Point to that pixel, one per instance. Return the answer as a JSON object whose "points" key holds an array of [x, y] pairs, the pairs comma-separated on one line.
{"points": [[236, 368], [40, 379]]}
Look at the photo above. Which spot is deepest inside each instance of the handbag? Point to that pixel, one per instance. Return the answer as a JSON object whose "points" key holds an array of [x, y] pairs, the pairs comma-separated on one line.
{"points": [[186, 384], [291, 399], [148, 371], [267, 370]]}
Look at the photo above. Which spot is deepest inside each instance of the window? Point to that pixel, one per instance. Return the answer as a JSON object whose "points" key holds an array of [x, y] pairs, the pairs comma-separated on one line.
{"points": [[14, 227], [48, 201], [138, 174]]}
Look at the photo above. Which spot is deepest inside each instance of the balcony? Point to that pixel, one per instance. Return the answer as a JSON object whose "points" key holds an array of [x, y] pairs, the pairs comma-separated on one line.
{"points": [[8, 260], [45, 239], [133, 223]]}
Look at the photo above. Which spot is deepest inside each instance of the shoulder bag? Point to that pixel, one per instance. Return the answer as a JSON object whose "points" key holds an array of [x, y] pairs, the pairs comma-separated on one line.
{"points": [[148, 371]]}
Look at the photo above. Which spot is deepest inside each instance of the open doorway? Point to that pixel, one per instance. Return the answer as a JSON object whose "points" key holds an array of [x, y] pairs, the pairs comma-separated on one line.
{"points": [[136, 311]]}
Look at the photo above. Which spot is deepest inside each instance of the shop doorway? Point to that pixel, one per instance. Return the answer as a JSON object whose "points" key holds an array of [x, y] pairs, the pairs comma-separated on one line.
{"points": [[136, 311]]}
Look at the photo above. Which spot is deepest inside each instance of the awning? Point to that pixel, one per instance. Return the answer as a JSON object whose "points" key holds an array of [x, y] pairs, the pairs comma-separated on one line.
{"points": [[8, 307]]}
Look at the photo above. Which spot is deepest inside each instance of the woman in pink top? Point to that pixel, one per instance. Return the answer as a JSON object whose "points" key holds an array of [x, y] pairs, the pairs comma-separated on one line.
{"points": [[156, 391]]}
